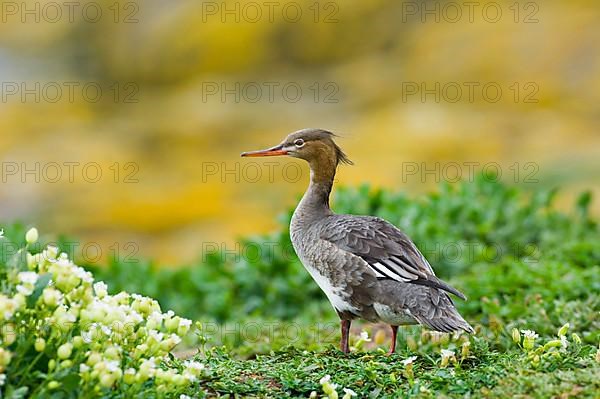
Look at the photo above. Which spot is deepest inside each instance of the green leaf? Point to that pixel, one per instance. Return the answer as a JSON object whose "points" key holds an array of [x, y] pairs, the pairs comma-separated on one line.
{"points": [[40, 284], [18, 261], [583, 203], [70, 382], [18, 393]]}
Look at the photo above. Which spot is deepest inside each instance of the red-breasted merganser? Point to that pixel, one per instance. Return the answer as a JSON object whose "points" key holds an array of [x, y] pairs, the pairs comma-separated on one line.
{"points": [[366, 266]]}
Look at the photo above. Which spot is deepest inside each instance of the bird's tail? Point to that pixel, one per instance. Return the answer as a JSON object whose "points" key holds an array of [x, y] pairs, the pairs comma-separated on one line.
{"points": [[433, 281], [429, 306], [443, 316]]}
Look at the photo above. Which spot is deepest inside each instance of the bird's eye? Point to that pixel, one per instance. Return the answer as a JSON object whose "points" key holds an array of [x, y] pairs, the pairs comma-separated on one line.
{"points": [[299, 143]]}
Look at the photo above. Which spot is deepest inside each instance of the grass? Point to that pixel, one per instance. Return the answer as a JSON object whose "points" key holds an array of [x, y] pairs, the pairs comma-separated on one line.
{"points": [[486, 372], [267, 330]]}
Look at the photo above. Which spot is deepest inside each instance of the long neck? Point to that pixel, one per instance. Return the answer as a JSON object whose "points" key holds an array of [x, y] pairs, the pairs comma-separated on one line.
{"points": [[315, 202]]}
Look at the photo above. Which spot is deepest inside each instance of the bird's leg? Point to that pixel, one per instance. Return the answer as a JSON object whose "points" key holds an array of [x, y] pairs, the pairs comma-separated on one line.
{"points": [[344, 343], [393, 346]]}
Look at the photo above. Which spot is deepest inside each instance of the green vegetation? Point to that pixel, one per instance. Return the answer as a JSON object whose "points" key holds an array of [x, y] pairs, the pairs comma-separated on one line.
{"points": [[488, 239], [490, 370], [527, 269]]}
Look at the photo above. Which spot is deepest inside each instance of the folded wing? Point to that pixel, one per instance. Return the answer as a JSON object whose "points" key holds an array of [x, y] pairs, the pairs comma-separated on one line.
{"points": [[389, 253]]}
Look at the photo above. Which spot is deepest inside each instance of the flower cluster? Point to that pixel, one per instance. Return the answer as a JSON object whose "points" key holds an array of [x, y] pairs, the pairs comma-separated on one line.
{"points": [[76, 331], [553, 349]]}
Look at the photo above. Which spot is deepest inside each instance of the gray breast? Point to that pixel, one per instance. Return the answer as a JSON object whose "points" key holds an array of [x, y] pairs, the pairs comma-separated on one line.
{"points": [[342, 276], [321, 259]]}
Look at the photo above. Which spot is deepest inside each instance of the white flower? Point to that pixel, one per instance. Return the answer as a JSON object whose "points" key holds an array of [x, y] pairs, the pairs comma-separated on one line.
{"points": [[25, 289], [8, 306], [157, 316], [154, 320], [563, 341], [447, 353], [88, 336], [32, 236], [51, 296], [148, 368], [28, 277], [192, 365], [365, 336], [28, 280], [133, 317], [325, 379], [446, 356], [2, 376], [328, 387], [182, 396], [156, 335], [192, 370], [529, 334], [84, 368], [121, 297], [113, 365], [529, 337], [50, 253], [348, 393], [185, 322], [174, 338], [84, 275], [465, 349], [409, 360], [101, 289], [106, 330]]}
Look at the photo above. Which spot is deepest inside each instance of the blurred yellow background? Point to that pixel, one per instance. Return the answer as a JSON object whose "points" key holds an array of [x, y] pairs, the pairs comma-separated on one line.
{"points": [[185, 86]]}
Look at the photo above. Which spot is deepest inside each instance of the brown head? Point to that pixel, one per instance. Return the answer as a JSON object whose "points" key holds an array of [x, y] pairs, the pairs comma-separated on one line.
{"points": [[316, 146]]}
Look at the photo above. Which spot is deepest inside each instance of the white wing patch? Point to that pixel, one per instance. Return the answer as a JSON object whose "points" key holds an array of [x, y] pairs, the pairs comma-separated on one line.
{"points": [[377, 272], [390, 269]]}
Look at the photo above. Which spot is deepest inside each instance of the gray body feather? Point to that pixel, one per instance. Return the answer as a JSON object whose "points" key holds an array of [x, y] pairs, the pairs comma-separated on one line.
{"points": [[370, 269]]}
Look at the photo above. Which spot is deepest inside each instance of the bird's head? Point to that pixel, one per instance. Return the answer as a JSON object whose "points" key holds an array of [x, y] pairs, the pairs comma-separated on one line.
{"points": [[316, 146]]}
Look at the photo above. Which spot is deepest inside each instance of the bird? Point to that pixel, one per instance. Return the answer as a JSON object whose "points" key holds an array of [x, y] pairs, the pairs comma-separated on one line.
{"points": [[367, 267]]}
